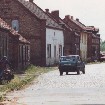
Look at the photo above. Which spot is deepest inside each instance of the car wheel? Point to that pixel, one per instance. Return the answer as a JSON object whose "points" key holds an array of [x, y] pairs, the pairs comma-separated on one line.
{"points": [[61, 72], [66, 73], [78, 71], [83, 71]]}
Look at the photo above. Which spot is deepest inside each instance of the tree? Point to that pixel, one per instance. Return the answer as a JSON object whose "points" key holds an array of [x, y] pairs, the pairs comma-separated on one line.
{"points": [[102, 45]]}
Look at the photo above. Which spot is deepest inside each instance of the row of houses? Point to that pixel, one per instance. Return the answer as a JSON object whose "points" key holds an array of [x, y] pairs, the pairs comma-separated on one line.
{"points": [[46, 36]]}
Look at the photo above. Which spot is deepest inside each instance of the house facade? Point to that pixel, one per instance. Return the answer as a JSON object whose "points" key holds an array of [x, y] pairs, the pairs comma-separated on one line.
{"points": [[89, 39], [54, 46], [10, 42], [34, 24], [48, 34], [93, 52], [80, 29], [83, 45], [71, 37]]}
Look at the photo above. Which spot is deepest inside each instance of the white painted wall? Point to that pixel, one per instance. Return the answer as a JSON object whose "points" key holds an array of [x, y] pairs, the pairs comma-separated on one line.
{"points": [[83, 46], [54, 37]]}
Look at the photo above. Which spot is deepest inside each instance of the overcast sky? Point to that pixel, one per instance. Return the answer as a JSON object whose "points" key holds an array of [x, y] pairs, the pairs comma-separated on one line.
{"points": [[89, 12]]}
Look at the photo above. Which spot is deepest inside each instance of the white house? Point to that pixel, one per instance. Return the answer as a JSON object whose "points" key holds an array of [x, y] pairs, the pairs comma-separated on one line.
{"points": [[54, 45]]}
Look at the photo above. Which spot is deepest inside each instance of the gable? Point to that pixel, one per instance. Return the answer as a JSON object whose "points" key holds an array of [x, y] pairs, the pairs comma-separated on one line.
{"points": [[37, 11]]}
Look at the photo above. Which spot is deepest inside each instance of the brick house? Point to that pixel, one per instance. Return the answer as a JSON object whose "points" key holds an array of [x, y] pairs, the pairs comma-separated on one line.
{"points": [[71, 37], [93, 52], [35, 25], [79, 28], [10, 45], [49, 35], [89, 39]]}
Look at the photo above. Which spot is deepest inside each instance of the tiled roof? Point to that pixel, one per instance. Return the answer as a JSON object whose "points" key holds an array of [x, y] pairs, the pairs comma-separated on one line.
{"points": [[85, 28], [62, 22], [23, 40], [4, 25], [37, 11], [92, 28], [95, 36], [78, 23]]}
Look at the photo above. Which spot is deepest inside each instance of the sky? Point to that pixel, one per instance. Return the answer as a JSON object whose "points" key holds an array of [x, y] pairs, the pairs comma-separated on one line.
{"points": [[89, 12]]}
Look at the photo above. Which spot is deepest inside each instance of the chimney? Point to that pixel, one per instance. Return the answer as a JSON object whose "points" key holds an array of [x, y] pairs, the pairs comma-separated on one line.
{"points": [[47, 10], [72, 17], [77, 20], [31, 1], [55, 14], [67, 17]]}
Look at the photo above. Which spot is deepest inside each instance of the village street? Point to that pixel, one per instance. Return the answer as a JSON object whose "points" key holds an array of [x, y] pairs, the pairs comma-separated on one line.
{"points": [[52, 89]]}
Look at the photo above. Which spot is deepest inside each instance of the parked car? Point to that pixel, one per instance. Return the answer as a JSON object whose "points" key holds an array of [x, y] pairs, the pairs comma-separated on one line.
{"points": [[71, 63], [102, 57]]}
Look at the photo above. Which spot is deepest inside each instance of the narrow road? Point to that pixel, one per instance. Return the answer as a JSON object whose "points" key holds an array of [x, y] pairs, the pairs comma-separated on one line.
{"points": [[52, 89]]}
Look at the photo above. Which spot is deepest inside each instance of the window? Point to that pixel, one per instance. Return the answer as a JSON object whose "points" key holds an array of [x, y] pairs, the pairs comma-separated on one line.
{"points": [[28, 53], [20, 53], [15, 25], [55, 51], [60, 50], [49, 50], [23, 52], [3, 45]]}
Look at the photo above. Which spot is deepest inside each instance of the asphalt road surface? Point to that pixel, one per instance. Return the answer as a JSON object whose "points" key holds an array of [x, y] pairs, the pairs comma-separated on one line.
{"points": [[52, 89]]}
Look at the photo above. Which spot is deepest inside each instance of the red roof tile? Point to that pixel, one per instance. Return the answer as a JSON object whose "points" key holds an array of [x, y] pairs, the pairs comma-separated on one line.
{"points": [[92, 28], [4, 25], [75, 21], [38, 12]]}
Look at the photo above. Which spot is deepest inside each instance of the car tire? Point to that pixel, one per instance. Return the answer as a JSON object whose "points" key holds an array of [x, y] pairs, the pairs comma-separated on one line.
{"points": [[61, 73], [66, 73], [78, 71], [83, 71]]}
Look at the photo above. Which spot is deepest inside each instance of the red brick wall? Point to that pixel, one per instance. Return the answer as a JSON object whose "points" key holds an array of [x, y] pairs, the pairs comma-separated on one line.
{"points": [[13, 51], [12, 47], [91, 45], [29, 27], [72, 24], [74, 37], [43, 42], [68, 41]]}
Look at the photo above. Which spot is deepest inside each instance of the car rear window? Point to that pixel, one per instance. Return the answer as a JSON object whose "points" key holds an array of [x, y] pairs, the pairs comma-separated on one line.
{"points": [[71, 58]]}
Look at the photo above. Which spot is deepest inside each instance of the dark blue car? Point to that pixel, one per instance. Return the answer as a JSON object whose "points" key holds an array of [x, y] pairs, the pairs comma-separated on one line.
{"points": [[71, 63]]}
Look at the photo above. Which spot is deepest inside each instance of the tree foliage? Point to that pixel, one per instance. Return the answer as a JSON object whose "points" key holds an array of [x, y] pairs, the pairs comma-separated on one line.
{"points": [[102, 45]]}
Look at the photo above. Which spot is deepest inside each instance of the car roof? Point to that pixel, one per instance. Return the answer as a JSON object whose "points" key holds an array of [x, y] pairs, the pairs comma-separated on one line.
{"points": [[70, 55]]}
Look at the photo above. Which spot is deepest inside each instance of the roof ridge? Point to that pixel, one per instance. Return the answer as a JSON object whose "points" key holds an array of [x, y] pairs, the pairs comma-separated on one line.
{"points": [[79, 23], [37, 11]]}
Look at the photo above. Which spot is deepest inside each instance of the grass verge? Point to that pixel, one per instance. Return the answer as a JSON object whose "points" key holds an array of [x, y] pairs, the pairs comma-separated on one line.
{"points": [[21, 80]]}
